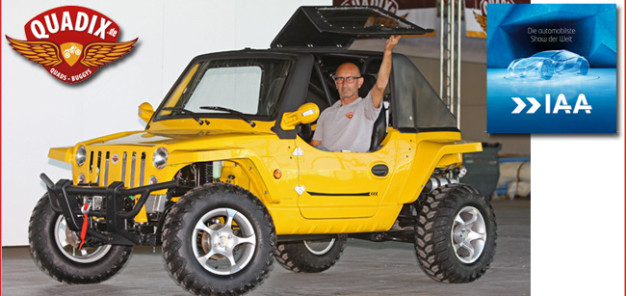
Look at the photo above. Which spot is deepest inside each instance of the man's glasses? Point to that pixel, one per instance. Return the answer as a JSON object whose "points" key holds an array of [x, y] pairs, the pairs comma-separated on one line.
{"points": [[341, 80]]}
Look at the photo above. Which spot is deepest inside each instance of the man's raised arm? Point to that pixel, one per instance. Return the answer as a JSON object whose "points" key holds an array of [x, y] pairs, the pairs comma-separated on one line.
{"points": [[384, 71]]}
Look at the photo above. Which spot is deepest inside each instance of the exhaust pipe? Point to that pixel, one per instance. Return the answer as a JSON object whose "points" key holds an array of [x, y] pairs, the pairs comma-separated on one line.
{"points": [[436, 182]]}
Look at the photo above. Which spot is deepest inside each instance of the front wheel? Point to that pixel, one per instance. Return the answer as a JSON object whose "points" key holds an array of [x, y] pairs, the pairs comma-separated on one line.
{"points": [[55, 249], [310, 255], [218, 240], [455, 235]]}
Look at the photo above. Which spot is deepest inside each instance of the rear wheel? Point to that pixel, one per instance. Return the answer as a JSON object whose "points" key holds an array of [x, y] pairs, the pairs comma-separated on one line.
{"points": [[455, 234], [310, 255], [218, 240], [55, 249]]}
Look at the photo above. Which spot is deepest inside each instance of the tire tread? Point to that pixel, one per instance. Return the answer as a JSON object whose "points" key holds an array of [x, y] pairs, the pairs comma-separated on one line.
{"points": [[432, 247], [294, 256], [61, 268], [174, 237]]}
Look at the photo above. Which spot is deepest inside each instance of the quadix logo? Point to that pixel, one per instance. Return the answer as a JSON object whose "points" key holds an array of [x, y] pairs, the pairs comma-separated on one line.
{"points": [[71, 42], [560, 106]]}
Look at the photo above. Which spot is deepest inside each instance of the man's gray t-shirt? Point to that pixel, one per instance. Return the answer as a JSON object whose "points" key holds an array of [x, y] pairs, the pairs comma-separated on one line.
{"points": [[347, 127]]}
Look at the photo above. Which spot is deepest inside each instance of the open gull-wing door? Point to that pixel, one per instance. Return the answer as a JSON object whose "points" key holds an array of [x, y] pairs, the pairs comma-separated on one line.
{"points": [[320, 26]]}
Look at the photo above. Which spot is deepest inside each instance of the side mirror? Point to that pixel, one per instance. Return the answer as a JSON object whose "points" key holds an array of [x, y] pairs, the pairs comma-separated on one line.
{"points": [[307, 113], [145, 111]]}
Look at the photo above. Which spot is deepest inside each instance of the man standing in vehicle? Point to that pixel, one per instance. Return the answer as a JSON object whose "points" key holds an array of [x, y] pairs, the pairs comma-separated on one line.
{"points": [[347, 125]]}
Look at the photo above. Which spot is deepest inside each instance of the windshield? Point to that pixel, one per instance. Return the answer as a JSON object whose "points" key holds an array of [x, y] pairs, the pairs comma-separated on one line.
{"points": [[248, 87]]}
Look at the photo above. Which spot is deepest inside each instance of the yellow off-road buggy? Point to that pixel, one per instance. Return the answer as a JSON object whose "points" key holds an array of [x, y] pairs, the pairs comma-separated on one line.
{"points": [[224, 179]]}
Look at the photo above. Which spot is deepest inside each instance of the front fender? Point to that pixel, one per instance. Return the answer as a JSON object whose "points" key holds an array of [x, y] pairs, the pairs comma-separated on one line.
{"points": [[253, 166]]}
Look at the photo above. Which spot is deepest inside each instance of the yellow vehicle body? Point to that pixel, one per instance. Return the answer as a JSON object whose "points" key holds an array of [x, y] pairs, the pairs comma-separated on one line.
{"points": [[224, 179], [316, 192]]}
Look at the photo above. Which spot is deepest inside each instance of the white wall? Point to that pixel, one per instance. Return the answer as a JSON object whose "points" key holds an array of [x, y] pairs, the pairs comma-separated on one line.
{"points": [[39, 112], [577, 217]]}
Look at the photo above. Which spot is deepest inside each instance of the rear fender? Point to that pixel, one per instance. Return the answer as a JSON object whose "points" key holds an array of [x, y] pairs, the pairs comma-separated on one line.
{"points": [[430, 155]]}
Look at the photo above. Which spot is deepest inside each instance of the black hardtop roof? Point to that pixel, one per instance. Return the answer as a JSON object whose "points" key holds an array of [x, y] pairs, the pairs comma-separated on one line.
{"points": [[338, 26], [288, 51]]}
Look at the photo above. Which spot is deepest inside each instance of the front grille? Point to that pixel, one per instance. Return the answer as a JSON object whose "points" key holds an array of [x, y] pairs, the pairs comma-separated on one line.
{"points": [[106, 167]]}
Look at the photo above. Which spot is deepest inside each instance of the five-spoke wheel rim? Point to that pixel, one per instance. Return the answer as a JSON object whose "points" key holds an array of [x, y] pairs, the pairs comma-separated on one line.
{"points": [[319, 247], [223, 241], [68, 243], [469, 234]]}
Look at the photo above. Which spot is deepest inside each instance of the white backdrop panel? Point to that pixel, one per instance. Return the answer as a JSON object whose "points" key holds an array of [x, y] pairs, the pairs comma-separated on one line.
{"points": [[39, 112]]}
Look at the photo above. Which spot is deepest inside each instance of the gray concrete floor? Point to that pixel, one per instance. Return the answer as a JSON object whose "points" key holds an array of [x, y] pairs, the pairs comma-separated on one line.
{"points": [[366, 268]]}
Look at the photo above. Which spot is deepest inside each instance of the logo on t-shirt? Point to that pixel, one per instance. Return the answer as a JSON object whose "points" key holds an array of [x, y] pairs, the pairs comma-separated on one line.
{"points": [[350, 115]]}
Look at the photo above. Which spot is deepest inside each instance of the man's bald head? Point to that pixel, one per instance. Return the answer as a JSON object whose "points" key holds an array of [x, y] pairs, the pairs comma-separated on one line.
{"points": [[349, 68]]}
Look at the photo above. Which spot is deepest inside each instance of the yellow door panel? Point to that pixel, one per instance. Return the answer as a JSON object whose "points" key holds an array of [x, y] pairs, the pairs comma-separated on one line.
{"points": [[343, 184]]}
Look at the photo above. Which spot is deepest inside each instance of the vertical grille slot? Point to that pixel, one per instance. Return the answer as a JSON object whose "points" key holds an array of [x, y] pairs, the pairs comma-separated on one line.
{"points": [[98, 168], [124, 167], [142, 168], [106, 168], [132, 170], [91, 162]]}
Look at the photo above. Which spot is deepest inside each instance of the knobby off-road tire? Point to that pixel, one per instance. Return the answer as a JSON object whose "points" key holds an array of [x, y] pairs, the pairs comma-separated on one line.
{"points": [[218, 240], [455, 236], [55, 250], [310, 255]]}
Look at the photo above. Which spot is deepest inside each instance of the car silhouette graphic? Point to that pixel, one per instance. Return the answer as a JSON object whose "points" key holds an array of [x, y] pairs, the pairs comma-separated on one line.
{"points": [[549, 63]]}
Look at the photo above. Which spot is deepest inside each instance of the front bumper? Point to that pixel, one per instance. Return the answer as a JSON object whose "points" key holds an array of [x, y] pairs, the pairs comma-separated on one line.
{"points": [[64, 199]]}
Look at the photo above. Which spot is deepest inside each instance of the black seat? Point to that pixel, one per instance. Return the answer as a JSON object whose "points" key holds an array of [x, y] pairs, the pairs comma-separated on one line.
{"points": [[368, 83], [380, 129], [380, 125]]}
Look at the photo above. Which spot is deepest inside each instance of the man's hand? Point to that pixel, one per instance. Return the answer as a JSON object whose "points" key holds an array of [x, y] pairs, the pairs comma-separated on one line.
{"points": [[391, 43], [384, 71]]}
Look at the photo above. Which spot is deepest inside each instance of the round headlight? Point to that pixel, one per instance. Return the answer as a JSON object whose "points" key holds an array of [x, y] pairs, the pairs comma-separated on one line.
{"points": [[81, 155], [159, 159]]}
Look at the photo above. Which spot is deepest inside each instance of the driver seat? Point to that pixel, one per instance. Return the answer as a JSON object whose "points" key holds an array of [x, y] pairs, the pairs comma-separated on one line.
{"points": [[380, 125], [380, 128]]}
